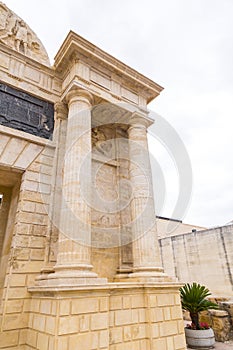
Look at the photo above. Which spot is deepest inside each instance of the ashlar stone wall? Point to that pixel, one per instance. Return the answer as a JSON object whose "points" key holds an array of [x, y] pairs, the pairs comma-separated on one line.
{"points": [[24, 245], [115, 317]]}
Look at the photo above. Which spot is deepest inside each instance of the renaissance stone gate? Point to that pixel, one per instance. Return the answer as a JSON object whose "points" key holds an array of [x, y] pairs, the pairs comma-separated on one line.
{"points": [[80, 261]]}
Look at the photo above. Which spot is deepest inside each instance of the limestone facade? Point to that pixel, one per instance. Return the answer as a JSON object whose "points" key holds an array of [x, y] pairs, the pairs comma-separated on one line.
{"points": [[80, 261]]}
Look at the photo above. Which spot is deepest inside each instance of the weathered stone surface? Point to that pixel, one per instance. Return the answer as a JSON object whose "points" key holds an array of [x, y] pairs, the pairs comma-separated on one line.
{"points": [[15, 33], [185, 256], [110, 318], [219, 320], [228, 307]]}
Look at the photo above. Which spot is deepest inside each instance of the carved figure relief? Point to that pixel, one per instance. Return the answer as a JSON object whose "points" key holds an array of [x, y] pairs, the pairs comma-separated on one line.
{"points": [[14, 32], [99, 142], [43, 122], [104, 221], [3, 16], [21, 36], [10, 23]]}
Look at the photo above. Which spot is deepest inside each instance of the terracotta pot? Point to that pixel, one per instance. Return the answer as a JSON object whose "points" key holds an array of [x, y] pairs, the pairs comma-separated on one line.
{"points": [[200, 339]]}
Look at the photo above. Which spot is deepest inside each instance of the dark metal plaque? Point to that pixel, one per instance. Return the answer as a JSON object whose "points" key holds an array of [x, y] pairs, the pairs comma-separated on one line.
{"points": [[21, 111]]}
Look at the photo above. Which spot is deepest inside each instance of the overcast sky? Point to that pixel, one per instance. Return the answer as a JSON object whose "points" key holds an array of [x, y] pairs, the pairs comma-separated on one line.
{"points": [[187, 47]]}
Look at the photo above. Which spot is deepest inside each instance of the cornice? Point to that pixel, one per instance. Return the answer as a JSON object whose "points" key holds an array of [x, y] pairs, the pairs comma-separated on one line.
{"points": [[26, 74], [26, 59], [74, 45]]}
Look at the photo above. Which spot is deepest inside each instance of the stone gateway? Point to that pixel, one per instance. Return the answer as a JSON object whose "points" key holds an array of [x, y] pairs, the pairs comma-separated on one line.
{"points": [[79, 252]]}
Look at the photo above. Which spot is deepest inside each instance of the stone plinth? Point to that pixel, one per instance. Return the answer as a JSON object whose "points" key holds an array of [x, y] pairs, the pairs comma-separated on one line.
{"points": [[116, 316]]}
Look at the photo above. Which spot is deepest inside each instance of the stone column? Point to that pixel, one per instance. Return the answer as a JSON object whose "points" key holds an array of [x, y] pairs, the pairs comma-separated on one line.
{"points": [[74, 246], [59, 136], [146, 254], [61, 117]]}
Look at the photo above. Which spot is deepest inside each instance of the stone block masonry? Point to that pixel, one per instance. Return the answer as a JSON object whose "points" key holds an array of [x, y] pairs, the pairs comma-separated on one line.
{"points": [[119, 316]]}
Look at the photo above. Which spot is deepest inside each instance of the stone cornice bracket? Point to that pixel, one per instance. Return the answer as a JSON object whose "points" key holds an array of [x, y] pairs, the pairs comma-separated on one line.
{"points": [[139, 121], [74, 58], [61, 110], [79, 95]]}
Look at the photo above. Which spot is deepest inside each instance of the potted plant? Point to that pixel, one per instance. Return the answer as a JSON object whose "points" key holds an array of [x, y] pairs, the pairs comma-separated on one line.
{"points": [[193, 299]]}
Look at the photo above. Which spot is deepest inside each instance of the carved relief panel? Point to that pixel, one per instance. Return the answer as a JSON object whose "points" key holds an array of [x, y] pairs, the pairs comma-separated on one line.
{"points": [[111, 191], [15, 33]]}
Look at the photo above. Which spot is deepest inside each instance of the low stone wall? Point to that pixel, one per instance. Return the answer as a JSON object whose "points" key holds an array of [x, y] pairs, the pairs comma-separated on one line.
{"points": [[203, 256], [219, 321], [228, 307]]}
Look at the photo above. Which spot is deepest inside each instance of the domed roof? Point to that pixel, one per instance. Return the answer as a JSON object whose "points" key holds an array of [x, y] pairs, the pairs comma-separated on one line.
{"points": [[15, 33]]}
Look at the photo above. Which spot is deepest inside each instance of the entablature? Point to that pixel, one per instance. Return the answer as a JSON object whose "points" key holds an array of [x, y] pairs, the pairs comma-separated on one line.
{"points": [[82, 62], [26, 74]]}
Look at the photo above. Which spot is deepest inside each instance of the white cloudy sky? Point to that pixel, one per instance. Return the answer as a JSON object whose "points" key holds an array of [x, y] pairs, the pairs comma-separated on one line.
{"points": [[185, 46]]}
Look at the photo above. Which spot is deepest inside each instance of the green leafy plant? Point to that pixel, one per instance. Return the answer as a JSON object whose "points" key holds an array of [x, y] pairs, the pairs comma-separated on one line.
{"points": [[193, 299]]}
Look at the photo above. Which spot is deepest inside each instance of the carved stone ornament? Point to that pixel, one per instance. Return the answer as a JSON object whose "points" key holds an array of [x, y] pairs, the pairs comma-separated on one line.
{"points": [[14, 32], [99, 142]]}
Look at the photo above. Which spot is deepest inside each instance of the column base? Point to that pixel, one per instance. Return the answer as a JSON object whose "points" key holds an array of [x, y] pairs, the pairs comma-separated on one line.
{"points": [[70, 276], [122, 274], [150, 274]]}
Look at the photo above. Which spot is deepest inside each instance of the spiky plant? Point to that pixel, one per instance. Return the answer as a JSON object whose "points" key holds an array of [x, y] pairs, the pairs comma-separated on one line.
{"points": [[193, 299]]}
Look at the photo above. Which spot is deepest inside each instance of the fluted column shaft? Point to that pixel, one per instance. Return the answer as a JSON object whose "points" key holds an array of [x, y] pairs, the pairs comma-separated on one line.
{"points": [[146, 255], [61, 115], [74, 245]]}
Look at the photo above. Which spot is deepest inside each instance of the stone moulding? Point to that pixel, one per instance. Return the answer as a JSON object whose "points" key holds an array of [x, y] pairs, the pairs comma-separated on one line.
{"points": [[29, 75], [160, 286], [75, 47]]}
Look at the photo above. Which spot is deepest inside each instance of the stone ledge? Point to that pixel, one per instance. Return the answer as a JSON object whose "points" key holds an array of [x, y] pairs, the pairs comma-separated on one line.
{"points": [[25, 136], [106, 287]]}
